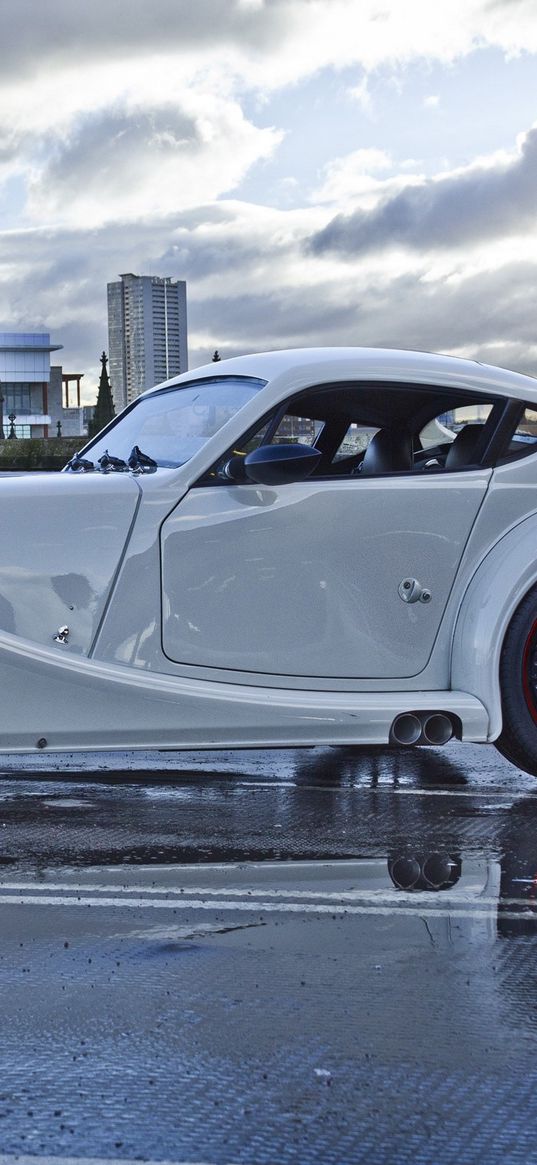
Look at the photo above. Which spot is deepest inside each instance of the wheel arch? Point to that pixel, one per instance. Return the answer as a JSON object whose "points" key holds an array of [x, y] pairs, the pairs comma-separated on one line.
{"points": [[493, 595]]}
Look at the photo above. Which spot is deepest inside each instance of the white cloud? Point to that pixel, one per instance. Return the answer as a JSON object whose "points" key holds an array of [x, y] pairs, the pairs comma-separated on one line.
{"points": [[134, 81], [350, 182], [494, 197], [362, 95], [130, 164], [253, 284], [339, 31], [131, 135]]}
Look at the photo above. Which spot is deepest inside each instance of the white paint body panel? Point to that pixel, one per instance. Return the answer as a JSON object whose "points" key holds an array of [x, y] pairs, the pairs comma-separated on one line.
{"points": [[302, 579], [86, 551], [292, 370], [75, 706], [61, 541]]}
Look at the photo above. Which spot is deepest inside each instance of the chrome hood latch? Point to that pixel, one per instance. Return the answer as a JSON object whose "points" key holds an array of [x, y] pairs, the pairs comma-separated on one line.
{"points": [[62, 635]]}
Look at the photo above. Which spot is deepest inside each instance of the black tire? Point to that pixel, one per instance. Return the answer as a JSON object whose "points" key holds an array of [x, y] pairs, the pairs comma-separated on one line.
{"points": [[518, 684]]}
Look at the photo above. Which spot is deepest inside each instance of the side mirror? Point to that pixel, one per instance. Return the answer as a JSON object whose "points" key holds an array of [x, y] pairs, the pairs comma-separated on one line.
{"points": [[278, 464], [234, 470]]}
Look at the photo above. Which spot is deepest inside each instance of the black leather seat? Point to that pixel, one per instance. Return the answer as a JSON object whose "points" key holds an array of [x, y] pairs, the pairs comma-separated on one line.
{"points": [[462, 451], [389, 451]]}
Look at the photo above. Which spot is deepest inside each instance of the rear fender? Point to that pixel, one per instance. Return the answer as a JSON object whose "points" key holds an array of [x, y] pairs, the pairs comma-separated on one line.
{"points": [[495, 591]]}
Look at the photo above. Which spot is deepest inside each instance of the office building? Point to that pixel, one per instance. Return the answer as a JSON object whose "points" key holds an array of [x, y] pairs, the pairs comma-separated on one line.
{"points": [[147, 333], [24, 382], [35, 395]]}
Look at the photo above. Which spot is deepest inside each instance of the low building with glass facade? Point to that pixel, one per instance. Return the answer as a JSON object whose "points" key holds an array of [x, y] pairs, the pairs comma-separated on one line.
{"points": [[36, 396], [24, 382]]}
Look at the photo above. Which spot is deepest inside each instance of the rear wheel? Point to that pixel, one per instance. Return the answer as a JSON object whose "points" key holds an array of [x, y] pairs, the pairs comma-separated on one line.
{"points": [[518, 682]]}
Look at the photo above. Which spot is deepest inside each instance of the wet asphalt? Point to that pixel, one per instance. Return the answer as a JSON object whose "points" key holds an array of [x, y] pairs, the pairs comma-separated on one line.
{"points": [[319, 955]]}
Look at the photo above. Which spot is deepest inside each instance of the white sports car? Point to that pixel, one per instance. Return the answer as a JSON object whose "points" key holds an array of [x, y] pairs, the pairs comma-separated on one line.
{"points": [[320, 546]]}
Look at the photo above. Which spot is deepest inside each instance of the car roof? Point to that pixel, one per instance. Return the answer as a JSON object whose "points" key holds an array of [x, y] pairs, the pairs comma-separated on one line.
{"points": [[308, 366]]}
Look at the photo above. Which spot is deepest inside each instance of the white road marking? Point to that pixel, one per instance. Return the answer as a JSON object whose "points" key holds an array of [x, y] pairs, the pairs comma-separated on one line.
{"points": [[209, 891], [174, 894], [488, 793], [442, 909]]}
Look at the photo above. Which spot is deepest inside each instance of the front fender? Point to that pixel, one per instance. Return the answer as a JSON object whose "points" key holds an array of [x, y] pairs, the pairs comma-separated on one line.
{"points": [[62, 537], [488, 605]]}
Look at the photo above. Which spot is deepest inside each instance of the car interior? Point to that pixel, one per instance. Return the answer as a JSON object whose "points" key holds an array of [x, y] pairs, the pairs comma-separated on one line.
{"points": [[371, 429]]}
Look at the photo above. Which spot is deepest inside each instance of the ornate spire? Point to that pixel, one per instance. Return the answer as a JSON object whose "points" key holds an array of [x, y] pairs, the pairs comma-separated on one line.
{"points": [[104, 409]]}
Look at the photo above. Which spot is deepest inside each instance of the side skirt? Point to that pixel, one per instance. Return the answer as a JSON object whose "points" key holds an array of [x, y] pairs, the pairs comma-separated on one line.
{"points": [[68, 703]]}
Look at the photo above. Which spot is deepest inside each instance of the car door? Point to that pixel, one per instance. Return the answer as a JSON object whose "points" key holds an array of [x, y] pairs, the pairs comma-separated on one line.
{"points": [[305, 579]]}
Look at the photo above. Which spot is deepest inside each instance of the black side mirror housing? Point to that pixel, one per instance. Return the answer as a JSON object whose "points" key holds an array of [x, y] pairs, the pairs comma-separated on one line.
{"points": [[279, 464], [234, 470]]}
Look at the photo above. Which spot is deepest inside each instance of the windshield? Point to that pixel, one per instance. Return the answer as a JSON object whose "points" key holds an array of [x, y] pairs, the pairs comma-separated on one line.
{"points": [[170, 426]]}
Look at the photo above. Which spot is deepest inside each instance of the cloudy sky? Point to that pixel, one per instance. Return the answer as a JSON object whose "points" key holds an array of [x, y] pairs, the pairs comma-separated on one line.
{"points": [[319, 171]]}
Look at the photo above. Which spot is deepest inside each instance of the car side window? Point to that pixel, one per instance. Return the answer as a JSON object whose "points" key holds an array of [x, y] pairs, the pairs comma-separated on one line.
{"points": [[360, 430], [525, 434], [447, 424], [235, 457], [288, 430], [453, 439], [356, 440], [522, 440], [294, 430]]}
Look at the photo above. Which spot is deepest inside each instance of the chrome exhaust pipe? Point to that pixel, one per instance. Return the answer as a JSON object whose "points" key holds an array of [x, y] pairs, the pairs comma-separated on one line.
{"points": [[437, 870], [405, 872], [433, 871], [406, 729], [437, 728]]}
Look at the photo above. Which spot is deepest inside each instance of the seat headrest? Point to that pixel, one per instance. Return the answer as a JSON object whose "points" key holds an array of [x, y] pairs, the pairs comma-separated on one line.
{"points": [[462, 451], [389, 451]]}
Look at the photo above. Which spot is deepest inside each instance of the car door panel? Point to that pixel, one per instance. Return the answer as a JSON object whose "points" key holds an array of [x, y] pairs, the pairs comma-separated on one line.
{"points": [[302, 579]]}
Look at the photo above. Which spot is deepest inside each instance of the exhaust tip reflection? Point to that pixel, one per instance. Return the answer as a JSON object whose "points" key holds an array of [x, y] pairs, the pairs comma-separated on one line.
{"points": [[434, 871]]}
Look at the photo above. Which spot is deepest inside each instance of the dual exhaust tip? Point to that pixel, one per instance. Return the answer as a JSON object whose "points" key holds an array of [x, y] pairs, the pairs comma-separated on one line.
{"points": [[432, 871], [422, 728]]}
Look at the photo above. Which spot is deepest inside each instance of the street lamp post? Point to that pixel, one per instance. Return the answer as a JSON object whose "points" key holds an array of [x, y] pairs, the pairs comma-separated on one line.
{"points": [[12, 434], [2, 434]]}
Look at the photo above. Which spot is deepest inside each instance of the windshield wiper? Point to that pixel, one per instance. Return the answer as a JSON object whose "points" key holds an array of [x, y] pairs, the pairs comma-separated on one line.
{"points": [[140, 462], [110, 464], [79, 464]]}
